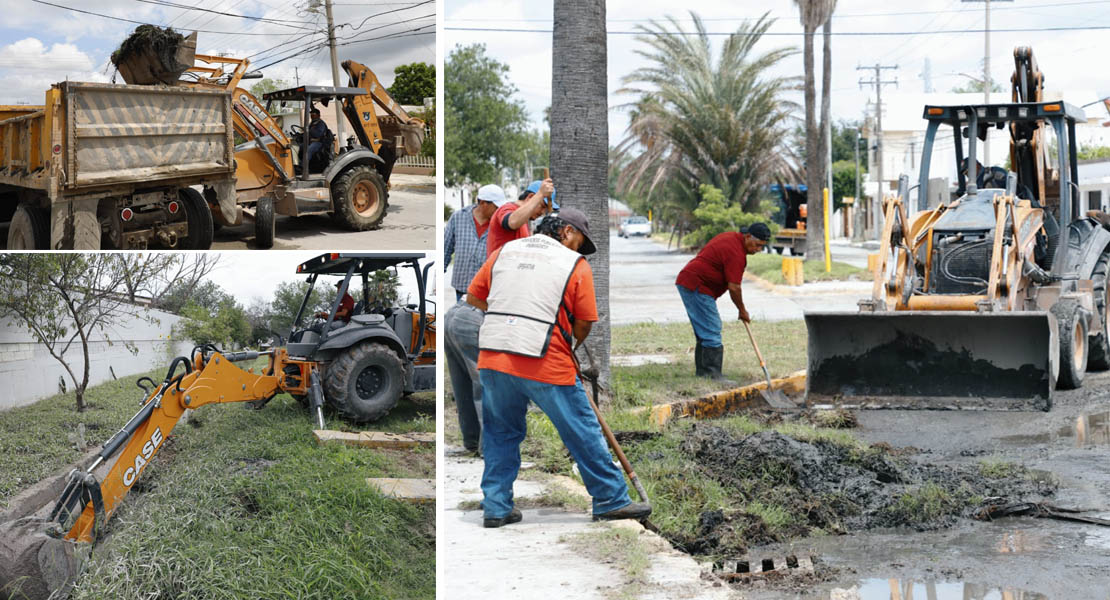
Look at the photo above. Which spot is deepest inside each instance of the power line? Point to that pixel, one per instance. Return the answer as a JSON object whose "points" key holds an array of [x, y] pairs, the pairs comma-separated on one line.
{"points": [[281, 22], [386, 13], [800, 33], [387, 25], [95, 14]]}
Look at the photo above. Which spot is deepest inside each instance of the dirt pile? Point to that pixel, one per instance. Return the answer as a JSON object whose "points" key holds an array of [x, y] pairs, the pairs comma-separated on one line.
{"points": [[153, 55], [835, 488]]}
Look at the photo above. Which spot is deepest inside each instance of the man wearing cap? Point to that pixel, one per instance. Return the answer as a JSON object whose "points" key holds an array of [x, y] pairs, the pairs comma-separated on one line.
{"points": [[346, 306], [717, 268], [538, 295], [510, 222], [465, 238], [318, 135]]}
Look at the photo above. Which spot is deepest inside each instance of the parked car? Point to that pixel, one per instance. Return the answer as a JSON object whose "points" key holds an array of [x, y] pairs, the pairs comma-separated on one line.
{"points": [[634, 226]]}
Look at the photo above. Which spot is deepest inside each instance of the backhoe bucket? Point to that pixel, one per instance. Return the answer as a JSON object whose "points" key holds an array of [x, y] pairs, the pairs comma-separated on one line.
{"points": [[932, 360], [151, 57]]}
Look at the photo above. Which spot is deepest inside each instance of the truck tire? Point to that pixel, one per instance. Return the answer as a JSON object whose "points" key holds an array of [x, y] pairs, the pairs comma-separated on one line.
{"points": [[264, 222], [199, 218], [359, 198], [364, 382], [1099, 359], [86, 230], [30, 228], [1073, 345]]}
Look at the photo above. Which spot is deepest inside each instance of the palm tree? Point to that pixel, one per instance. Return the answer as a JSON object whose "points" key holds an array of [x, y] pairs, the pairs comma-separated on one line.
{"points": [[696, 119], [814, 14], [580, 139]]}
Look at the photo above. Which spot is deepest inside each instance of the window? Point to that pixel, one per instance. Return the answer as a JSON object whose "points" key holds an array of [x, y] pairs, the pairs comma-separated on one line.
{"points": [[1094, 200]]}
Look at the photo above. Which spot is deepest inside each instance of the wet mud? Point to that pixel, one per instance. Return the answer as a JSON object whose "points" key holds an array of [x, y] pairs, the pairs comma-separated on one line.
{"points": [[828, 487]]}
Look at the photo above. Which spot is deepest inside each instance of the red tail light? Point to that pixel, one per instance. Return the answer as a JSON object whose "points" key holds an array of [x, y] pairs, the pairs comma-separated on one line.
{"points": [[126, 214], [173, 207]]}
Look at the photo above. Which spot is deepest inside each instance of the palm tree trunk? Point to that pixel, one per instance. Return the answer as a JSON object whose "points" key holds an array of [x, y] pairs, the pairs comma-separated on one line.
{"points": [[580, 140], [814, 172]]}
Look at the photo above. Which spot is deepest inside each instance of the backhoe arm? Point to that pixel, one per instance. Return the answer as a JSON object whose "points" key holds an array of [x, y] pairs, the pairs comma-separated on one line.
{"points": [[360, 111], [211, 377]]}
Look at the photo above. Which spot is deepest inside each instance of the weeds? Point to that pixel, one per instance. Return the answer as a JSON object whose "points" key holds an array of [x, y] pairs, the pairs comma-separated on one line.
{"points": [[621, 547]]}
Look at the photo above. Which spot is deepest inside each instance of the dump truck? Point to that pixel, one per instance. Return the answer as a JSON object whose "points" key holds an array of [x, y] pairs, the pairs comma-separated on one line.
{"points": [[991, 300], [360, 368], [276, 176], [113, 166]]}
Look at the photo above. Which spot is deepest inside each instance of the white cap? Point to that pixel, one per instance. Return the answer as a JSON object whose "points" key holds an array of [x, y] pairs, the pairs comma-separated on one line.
{"points": [[492, 193]]}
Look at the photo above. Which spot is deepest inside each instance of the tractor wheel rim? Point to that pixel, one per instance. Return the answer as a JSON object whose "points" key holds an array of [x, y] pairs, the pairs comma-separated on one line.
{"points": [[1079, 357], [369, 382], [365, 198]]}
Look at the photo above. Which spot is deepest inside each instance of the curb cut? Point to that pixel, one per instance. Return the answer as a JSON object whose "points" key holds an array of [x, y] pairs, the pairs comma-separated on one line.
{"points": [[725, 402]]}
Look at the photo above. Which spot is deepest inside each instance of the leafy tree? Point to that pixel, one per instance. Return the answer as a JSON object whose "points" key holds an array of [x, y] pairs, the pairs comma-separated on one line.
{"points": [[844, 141], [1091, 152], [844, 181], [695, 120], [286, 301], [383, 287], [65, 300], [414, 82], [224, 324], [205, 294], [267, 85], [485, 123], [975, 86], [715, 216]]}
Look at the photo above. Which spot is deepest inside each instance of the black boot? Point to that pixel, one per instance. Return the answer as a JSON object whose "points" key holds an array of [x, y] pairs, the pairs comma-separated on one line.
{"points": [[699, 361], [713, 358]]}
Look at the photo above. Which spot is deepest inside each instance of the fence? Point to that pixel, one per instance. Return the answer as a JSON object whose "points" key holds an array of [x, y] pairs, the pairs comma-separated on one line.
{"points": [[28, 373]]}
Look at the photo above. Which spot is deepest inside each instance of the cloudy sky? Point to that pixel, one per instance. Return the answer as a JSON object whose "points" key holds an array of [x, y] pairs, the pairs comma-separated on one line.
{"points": [[42, 44], [1069, 58]]}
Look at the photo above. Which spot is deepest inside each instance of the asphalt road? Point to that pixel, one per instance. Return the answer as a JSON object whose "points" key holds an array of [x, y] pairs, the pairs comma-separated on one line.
{"points": [[410, 224]]}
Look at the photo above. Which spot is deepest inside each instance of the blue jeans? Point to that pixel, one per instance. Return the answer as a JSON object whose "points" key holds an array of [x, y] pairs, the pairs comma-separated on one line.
{"points": [[459, 295], [704, 316], [505, 404], [461, 324]]}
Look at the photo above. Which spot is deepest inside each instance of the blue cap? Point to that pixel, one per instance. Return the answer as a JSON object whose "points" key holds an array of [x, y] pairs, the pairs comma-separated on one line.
{"points": [[534, 187]]}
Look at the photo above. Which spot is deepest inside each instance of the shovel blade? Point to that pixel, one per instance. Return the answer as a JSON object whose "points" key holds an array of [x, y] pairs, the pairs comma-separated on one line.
{"points": [[932, 359]]}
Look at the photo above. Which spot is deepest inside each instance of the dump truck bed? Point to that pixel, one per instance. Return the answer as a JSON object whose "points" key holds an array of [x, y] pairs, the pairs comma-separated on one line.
{"points": [[89, 136]]}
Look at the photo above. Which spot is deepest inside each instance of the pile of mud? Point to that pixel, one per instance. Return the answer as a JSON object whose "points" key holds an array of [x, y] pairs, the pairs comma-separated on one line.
{"points": [[154, 55], [834, 488]]}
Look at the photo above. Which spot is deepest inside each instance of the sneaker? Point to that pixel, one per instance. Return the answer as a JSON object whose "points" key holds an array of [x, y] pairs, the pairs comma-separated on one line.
{"points": [[512, 517], [634, 510]]}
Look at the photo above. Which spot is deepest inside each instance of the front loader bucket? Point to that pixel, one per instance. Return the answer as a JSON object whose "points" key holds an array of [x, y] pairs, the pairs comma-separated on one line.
{"points": [[930, 359], [152, 56]]}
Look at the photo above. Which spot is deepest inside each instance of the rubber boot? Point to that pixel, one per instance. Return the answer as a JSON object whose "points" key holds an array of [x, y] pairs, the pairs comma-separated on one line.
{"points": [[713, 358], [699, 361]]}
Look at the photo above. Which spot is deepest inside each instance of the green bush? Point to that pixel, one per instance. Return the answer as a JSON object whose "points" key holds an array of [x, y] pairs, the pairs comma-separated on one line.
{"points": [[713, 216]]}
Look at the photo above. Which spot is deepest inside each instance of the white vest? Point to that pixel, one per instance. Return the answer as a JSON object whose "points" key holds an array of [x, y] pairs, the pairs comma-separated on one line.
{"points": [[527, 283]]}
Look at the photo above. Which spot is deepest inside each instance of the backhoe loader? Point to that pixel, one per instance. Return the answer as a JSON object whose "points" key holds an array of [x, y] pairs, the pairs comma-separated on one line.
{"points": [[274, 173], [360, 368], [991, 300]]}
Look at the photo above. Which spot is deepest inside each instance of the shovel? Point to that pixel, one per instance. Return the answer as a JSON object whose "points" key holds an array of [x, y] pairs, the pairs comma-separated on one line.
{"points": [[772, 396], [591, 375]]}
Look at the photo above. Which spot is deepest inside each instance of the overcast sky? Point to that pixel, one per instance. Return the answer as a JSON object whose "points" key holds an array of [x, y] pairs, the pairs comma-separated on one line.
{"points": [[1066, 57], [247, 274], [41, 45]]}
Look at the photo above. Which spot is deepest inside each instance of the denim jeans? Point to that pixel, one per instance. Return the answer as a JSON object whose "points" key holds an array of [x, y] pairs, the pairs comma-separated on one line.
{"points": [[704, 316], [505, 404], [461, 324]]}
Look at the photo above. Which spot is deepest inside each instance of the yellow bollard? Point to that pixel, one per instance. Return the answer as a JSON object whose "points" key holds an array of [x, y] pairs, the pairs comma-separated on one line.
{"points": [[872, 262], [828, 255], [793, 271]]}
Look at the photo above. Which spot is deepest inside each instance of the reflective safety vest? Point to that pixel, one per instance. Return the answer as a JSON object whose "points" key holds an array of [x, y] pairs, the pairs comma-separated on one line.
{"points": [[527, 284]]}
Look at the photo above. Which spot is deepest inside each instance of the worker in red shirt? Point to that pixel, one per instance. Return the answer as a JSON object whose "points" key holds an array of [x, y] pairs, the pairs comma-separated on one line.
{"points": [[346, 306], [717, 268], [538, 295], [510, 221]]}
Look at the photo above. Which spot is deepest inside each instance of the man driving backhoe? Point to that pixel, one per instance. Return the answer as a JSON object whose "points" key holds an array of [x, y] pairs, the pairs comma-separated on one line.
{"points": [[319, 136]]}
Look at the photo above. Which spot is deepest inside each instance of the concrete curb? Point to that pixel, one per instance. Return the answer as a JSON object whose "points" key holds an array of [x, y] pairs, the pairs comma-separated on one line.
{"points": [[413, 187], [725, 402], [786, 290]]}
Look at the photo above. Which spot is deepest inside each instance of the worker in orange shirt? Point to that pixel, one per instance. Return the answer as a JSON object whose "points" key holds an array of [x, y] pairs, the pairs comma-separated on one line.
{"points": [[538, 294], [510, 222]]}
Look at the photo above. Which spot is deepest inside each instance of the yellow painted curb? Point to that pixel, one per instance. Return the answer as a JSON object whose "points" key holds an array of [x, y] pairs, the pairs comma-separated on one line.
{"points": [[725, 402]]}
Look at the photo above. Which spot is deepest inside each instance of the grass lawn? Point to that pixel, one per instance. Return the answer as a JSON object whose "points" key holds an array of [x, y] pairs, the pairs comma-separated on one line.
{"points": [[768, 266], [242, 503]]}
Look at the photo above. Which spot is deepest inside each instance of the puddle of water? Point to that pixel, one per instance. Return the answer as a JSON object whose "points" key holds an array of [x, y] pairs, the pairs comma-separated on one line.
{"points": [[638, 360], [899, 589], [1084, 430]]}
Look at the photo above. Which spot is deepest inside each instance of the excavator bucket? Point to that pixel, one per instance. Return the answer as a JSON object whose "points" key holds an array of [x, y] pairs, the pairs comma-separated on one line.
{"points": [[152, 55], [933, 360]]}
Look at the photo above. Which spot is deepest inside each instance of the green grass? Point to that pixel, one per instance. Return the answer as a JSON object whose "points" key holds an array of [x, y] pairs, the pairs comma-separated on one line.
{"points": [[996, 468], [768, 267], [926, 503], [246, 504], [621, 547]]}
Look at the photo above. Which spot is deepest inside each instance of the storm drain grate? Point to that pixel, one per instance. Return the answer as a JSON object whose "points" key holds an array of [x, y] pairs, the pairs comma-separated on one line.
{"points": [[747, 569]]}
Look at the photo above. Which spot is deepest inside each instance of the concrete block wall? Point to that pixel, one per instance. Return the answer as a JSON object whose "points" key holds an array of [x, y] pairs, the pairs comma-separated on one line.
{"points": [[28, 373]]}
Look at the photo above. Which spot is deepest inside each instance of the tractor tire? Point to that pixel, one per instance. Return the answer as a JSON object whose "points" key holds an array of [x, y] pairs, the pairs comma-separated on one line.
{"points": [[364, 382], [359, 198], [264, 223], [199, 218], [86, 230], [30, 228], [1099, 359], [1073, 345]]}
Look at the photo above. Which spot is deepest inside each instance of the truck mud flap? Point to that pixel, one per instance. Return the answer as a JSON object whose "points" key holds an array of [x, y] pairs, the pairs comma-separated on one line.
{"points": [[932, 360]]}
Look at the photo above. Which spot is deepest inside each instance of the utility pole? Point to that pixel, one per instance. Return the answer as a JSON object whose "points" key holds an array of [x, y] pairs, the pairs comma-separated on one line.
{"points": [[297, 75], [876, 202], [339, 129], [857, 227]]}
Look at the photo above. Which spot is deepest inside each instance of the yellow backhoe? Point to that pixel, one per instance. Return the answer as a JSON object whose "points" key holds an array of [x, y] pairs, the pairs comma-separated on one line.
{"points": [[991, 300]]}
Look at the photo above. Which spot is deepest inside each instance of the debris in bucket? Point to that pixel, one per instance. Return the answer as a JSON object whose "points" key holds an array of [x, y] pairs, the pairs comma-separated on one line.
{"points": [[153, 55], [747, 569]]}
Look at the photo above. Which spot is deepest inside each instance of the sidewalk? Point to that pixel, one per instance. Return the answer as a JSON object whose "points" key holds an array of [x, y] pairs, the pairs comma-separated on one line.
{"points": [[412, 183], [535, 559]]}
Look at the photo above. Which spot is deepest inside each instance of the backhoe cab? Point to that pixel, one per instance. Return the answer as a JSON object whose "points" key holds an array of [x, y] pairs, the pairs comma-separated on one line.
{"points": [[991, 300]]}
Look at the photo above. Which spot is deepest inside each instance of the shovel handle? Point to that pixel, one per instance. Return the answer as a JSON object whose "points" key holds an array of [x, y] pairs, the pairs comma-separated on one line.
{"points": [[759, 354], [608, 433]]}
